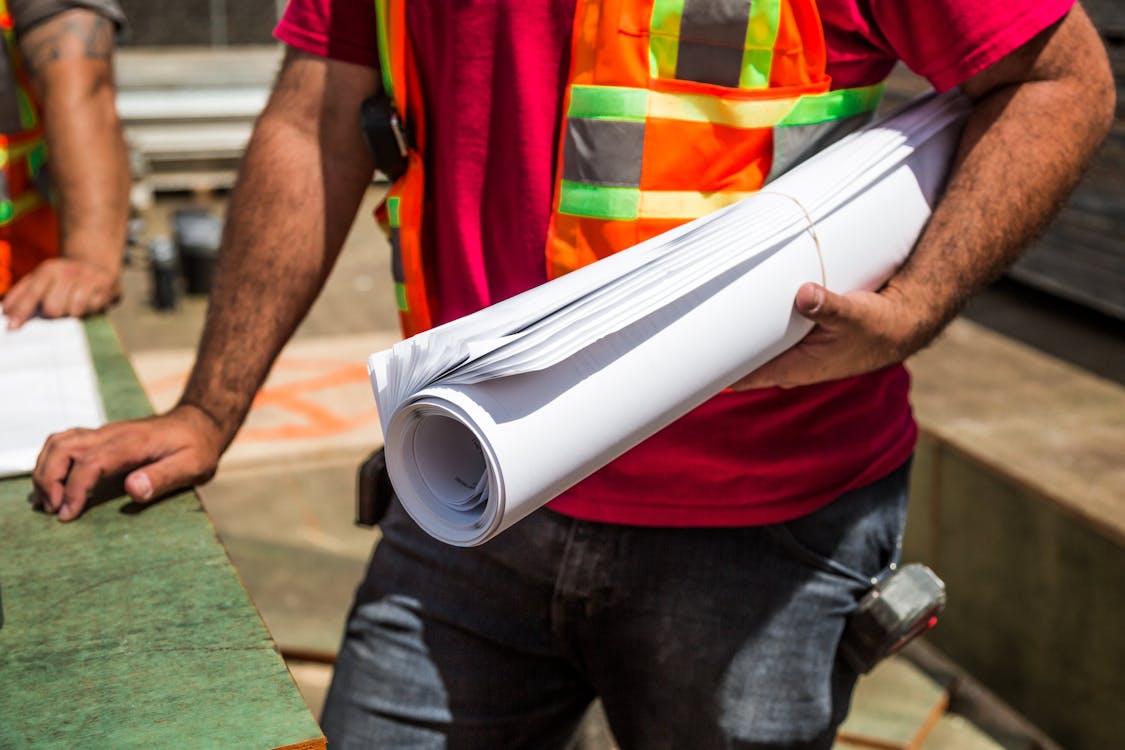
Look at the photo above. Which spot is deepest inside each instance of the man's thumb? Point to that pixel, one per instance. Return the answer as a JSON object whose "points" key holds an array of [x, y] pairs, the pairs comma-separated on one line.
{"points": [[139, 486], [818, 304]]}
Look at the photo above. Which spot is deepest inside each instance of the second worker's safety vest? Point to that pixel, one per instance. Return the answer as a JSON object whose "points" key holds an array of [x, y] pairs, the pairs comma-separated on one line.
{"points": [[673, 109], [28, 225]]}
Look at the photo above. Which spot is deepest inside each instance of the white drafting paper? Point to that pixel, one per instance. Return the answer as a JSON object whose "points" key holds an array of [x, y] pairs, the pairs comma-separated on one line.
{"points": [[488, 417], [47, 384]]}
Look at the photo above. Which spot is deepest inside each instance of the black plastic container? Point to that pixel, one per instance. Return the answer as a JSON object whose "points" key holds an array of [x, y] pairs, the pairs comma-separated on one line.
{"points": [[197, 232], [165, 273]]}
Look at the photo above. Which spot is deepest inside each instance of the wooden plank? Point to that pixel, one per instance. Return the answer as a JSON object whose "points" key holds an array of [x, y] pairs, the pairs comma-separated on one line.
{"points": [[130, 628]]}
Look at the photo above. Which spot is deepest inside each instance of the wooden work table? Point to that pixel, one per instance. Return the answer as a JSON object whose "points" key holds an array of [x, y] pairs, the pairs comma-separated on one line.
{"points": [[129, 628]]}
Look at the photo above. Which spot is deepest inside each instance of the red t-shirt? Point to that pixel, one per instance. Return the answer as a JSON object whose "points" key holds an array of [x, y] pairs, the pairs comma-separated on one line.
{"points": [[493, 76]]}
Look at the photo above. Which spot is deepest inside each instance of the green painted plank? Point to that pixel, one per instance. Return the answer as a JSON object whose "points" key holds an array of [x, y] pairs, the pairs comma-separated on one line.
{"points": [[121, 391], [130, 628]]}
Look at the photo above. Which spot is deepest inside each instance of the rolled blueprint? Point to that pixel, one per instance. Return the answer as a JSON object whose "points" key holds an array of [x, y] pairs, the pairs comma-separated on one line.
{"points": [[489, 417]]}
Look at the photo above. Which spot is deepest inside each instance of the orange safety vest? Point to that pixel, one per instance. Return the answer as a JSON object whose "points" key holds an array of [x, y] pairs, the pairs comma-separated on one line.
{"points": [[673, 109], [29, 231]]}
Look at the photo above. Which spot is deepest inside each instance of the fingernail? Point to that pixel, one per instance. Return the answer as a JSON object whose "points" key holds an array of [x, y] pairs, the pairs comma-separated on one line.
{"points": [[66, 512], [144, 485], [818, 299]]}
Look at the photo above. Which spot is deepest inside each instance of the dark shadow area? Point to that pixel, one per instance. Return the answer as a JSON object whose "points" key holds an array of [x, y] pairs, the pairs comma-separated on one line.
{"points": [[133, 508], [107, 490], [1069, 331]]}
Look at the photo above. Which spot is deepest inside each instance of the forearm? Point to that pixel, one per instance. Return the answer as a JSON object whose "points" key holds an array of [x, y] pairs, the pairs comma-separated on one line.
{"points": [[1023, 150], [70, 61], [302, 179]]}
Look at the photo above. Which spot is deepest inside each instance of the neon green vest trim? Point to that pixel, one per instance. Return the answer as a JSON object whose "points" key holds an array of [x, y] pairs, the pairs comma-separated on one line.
{"points": [[762, 19], [10, 210], [761, 36], [633, 104], [616, 202], [835, 105], [393, 205], [664, 37], [381, 15]]}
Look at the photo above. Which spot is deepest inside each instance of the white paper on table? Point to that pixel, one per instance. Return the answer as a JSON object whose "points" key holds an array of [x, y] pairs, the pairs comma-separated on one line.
{"points": [[489, 417], [47, 384]]}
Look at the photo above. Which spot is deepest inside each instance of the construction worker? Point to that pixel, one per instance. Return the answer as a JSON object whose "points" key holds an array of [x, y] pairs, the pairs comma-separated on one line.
{"points": [[64, 205], [695, 583]]}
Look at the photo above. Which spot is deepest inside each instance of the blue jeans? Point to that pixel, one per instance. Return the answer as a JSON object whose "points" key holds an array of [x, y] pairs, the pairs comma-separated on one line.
{"points": [[693, 638]]}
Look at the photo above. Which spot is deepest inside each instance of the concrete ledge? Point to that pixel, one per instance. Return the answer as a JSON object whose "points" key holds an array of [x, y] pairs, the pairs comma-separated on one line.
{"points": [[1018, 500]]}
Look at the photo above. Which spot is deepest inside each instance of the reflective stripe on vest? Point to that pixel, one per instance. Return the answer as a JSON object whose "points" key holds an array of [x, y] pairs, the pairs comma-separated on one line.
{"points": [[400, 214], [723, 43], [28, 156], [673, 109], [605, 120], [23, 191], [25, 151]]}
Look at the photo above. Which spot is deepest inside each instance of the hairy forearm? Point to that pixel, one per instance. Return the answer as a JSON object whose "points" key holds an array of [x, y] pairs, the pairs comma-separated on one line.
{"points": [[1039, 114], [1023, 150], [69, 58], [298, 190]]}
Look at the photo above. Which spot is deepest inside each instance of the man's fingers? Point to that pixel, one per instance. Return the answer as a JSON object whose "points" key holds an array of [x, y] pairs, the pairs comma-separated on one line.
{"points": [[53, 465], [773, 374], [87, 466], [60, 288], [78, 301], [100, 297], [22, 299], [72, 462], [83, 477], [56, 296], [160, 454]]}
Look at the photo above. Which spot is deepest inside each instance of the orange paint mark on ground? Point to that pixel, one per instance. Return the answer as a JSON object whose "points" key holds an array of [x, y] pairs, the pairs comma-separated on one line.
{"points": [[311, 419], [316, 421]]}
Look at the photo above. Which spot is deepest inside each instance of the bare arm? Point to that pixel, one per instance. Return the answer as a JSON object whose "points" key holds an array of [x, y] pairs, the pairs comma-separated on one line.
{"points": [[303, 176], [69, 59], [305, 173], [1038, 116]]}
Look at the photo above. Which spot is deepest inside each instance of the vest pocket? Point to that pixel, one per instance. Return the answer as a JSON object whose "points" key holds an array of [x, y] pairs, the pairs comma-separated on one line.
{"points": [[726, 43]]}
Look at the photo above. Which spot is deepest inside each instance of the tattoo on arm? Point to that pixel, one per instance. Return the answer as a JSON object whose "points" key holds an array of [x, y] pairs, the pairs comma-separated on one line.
{"points": [[71, 35]]}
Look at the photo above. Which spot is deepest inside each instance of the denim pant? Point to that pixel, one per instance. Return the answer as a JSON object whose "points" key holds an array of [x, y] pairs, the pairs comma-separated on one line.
{"points": [[693, 638]]}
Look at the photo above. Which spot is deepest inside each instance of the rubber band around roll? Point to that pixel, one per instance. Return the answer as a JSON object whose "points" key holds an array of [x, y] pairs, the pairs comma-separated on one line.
{"points": [[812, 231]]}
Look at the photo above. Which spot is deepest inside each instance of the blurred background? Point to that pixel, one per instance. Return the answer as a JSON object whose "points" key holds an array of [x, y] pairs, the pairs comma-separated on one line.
{"points": [[1019, 481]]}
